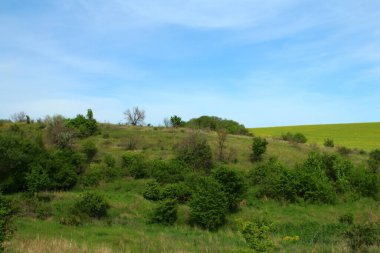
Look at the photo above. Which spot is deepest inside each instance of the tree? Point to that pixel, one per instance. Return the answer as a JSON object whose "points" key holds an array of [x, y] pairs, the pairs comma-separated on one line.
{"points": [[222, 137], [176, 121], [259, 146], [19, 117], [135, 117]]}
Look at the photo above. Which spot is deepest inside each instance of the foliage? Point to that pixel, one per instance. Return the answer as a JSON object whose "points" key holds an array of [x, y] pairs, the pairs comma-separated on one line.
{"points": [[179, 191], [296, 138], [5, 220], [195, 152], [168, 171], [165, 213], [58, 132], [328, 143], [360, 236], [257, 236], [222, 138], [86, 126], [92, 204], [208, 204], [89, 149], [232, 185], [92, 176], [259, 146], [374, 160], [366, 183], [344, 150], [347, 218], [135, 164], [216, 123], [176, 121], [37, 179], [152, 191]]}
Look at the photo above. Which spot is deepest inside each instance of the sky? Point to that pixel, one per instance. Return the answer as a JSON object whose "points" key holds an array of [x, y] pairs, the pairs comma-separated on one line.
{"points": [[261, 63]]}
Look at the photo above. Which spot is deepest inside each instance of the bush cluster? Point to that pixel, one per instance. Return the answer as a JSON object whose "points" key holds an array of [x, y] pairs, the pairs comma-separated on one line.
{"points": [[165, 213], [216, 123], [259, 146], [295, 138], [92, 204]]}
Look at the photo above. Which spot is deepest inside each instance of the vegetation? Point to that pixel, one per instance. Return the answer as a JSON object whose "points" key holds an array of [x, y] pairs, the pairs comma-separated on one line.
{"points": [[259, 146], [295, 138], [216, 123], [5, 217], [301, 198]]}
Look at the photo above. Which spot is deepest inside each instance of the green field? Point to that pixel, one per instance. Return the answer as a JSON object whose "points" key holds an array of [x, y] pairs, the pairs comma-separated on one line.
{"points": [[364, 136]]}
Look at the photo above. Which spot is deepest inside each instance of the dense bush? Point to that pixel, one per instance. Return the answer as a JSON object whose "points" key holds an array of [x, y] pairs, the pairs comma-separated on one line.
{"points": [[176, 121], [257, 236], [37, 180], [208, 204], [328, 143], [259, 146], [93, 175], [347, 219], [195, 152], [152, 191], [86, 126], [165, 213], [296, 138], [374, 160], [5, 220], [366, 183], [344, 150], [92, 204], [216, 123], [179, 191], [89, 149], [135, 164], [168, 171], [232, 185], [362, 235]]}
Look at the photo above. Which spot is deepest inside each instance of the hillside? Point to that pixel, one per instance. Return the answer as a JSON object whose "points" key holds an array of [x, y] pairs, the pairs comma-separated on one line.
{"points": [[41, 223], [364, 136]]}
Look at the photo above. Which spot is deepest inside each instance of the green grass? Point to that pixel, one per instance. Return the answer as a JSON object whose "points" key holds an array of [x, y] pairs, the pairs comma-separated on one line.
{"points": [[364, 136]]}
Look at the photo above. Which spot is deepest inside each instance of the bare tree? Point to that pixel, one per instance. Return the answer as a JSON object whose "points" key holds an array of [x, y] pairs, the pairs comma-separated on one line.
{"points": [[19, 117], [135, 117], [167, 122]]}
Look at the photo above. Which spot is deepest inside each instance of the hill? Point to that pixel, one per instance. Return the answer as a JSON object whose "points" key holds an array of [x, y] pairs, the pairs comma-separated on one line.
{"points": [[364, 136]]}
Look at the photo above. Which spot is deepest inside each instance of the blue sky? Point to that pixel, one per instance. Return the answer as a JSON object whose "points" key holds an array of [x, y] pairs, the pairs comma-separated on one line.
{"points": [[262, 63]]}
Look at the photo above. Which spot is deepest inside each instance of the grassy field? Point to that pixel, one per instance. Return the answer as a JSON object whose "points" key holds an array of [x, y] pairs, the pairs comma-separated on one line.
{"points": [[364, 136], [127, 230]]}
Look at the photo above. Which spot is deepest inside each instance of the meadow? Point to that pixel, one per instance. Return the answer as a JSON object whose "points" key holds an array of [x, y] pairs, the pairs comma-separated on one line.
{"points": [[364, 136], [38, 226]]}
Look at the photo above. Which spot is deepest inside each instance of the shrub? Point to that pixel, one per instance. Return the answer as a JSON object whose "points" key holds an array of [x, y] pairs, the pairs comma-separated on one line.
{"points": [[5, 220], [152, 191], [344, 150], [208, 204], [347, 219], [86, 126], [361, 236], [176, 121], [195, 152], [374, 160], [257, 236], [365, 183], [92, 204], [179, 191], [216, 123], [165, 213], [37, 180], [259, 146], [328, 143], [135, 164], [168, 171], [232, 185], [92, 176], [296, 138], [89, 149]]}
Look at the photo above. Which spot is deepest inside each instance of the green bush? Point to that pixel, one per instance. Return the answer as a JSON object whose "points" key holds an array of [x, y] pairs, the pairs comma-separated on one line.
{"points": [[152, 191], [92, 176], [176, 121], [89, 149], [259, 146], [344, 150], [374, 160], [167, 172], [37, 179], [165, 213], [232, 185], [179, 191], [86, 126], [257, 236], [365, 183], [135, 164], [195, 152], [216, 123], [328, 143], [92, 204], [296, 138], [208, 204], [362, 235], [347, 219], [5, 220]]}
